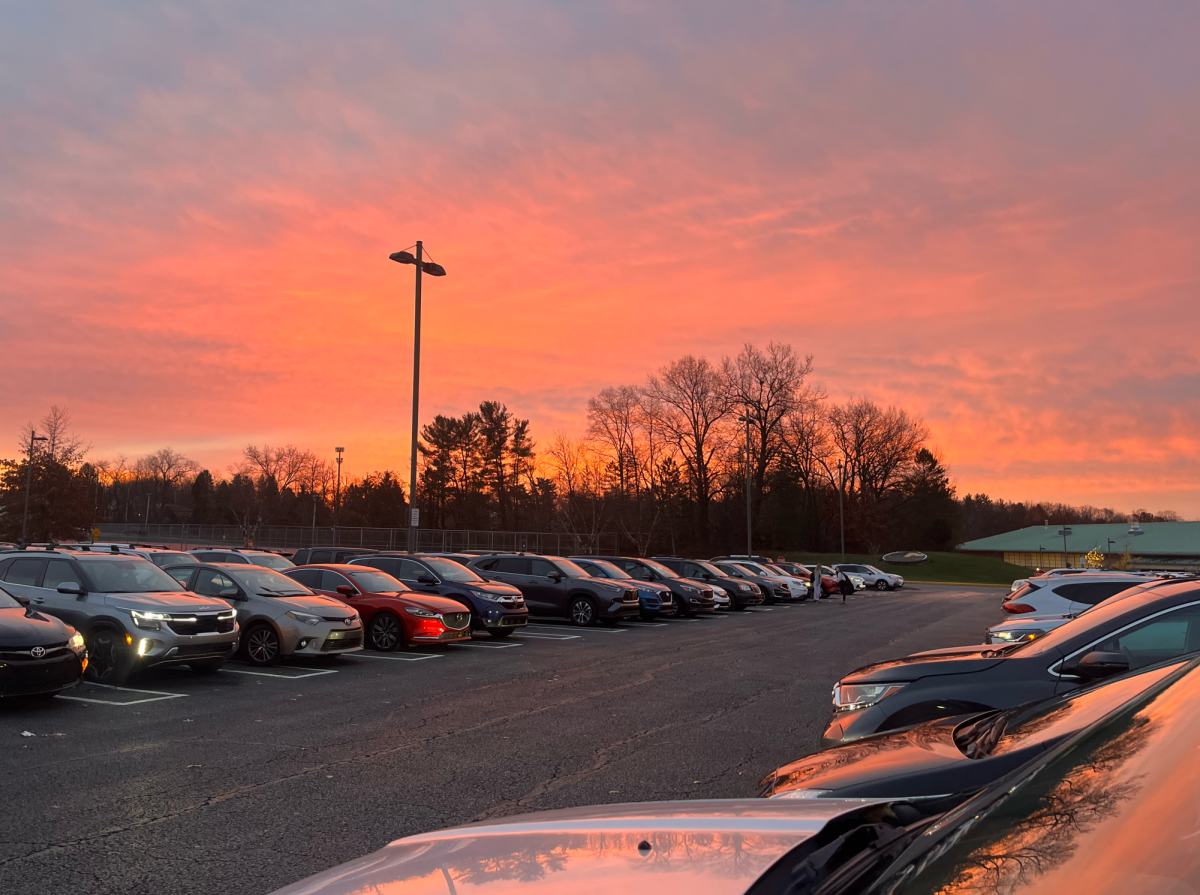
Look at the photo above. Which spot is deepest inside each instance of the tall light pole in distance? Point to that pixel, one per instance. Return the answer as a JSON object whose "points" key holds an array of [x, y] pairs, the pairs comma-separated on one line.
{"points": [[337, 491], [749, 514], [34, 438], [1063, 532], [841, 512], [434, 270]]}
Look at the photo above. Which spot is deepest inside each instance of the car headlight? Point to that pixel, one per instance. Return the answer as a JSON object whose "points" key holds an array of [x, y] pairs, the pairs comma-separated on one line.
{"points": [[851, 697], [420, 613], [151, 621], [305, 617], [76, 641], [688, 589], [484, 595], [1014, 636], [745, 588], [227, 616]]}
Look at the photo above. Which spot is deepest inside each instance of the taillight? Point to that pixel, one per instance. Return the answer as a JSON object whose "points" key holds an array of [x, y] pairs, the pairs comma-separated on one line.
{"points": [[1018, 608]]}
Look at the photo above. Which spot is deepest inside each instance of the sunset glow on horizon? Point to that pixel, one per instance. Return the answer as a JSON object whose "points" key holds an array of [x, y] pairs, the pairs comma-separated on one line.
{"points": [[990, 222]]}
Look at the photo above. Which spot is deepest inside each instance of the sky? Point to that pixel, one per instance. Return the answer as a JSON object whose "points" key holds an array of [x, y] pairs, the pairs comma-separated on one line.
{"points": [[984, 212]]}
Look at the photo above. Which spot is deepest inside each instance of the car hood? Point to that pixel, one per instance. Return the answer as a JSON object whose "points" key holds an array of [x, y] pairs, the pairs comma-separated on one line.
{"points": [[426, 601], [167, 601], [925, 747], [648, 585], [494, 587], [716, 847], [20, 630], [315, 604], [953, 660]]}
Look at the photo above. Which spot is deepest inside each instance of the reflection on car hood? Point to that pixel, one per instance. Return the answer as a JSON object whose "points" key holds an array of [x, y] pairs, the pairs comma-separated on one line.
{"points": [[19, 630], [927, 746], [953, 660], [651, 585], [167, 601], [316, 604], [714, 847], [428, 601], [494, 587]]}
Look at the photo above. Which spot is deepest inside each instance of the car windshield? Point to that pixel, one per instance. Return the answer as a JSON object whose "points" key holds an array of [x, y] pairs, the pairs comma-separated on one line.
{"points": [[710, 568], [271, 561], [756, 569], [7, 601], [873, 570], [609, 569], [571, 570], [129, 576], [659, 567], [171, 558], [269, 583], [374, 582], [449, 570]]}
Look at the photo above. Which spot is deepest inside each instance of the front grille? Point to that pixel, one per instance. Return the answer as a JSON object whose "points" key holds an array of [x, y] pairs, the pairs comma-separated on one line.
{"points": [[510, 621], [336, 619], [200, 623], [40, 676], [456, 620], [23, 654], [631, 596], [342, 640]]}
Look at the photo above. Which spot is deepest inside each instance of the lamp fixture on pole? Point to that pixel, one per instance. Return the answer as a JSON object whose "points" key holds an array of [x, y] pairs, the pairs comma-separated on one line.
{"points": [[434, 270]]}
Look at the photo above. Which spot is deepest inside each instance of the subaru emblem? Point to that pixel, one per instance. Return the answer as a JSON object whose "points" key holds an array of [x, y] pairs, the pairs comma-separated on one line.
{"points": [[37, 652]]}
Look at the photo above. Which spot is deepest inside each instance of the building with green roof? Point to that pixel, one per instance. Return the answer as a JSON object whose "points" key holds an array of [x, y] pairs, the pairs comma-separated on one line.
{"points": [[1150, 545]]}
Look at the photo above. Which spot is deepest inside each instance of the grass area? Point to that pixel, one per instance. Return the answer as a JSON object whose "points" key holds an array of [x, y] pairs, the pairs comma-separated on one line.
{"points": [[940, 568]]}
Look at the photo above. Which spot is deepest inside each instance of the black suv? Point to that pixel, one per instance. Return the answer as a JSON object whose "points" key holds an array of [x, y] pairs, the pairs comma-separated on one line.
{"points": [[557, 587], [741, 593], [496, 608], [324, 556], [690, 596]]}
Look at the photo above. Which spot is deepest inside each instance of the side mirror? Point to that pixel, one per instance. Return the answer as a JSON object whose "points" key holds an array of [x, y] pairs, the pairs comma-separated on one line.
{"points": [[346, 590], [422, 579], [229, 593], [24, 601], [1095, 665], [556, 575], [71, 587]]}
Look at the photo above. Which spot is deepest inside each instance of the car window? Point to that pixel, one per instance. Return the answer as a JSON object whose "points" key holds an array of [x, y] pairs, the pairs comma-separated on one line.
{"points": [[320, 556], [608, 569], [210, 583], [269, 583], [450, 570], [8, 601], [181, 574], [407, 570], [513, 565], [331, 581], [271, 561], [1093, 592], [59, 571], [568, 568], [209, 556], [488, 565], [129, 576], [307, 577], [591, 568], [1167, 635], [377, 582], [171, 559], [25, 571], [731, 570], [542, 568]]}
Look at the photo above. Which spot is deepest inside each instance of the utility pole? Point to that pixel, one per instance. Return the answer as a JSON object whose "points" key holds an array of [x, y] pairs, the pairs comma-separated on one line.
{"points": [[841, 511], [34, 438], [749, 514], [337, 493], [413, 512]]}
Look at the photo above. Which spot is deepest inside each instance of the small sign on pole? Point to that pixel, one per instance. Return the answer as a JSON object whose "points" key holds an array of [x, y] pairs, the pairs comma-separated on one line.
{"points": [[416, 518]]}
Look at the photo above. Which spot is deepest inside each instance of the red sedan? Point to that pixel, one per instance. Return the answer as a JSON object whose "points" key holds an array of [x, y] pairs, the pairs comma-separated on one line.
{"points": [[392, 614]]}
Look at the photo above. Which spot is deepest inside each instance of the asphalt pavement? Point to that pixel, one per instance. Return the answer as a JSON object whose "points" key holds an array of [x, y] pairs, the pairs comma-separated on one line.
{"points": [[246, 780]]}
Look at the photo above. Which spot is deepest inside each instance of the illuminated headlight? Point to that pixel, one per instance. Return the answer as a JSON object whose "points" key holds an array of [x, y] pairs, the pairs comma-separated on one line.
{"points": [[420, 613], [144, 647], [305, 617], [851, 697], [76, 641], [151, 621], [1014, 636], [227, 616]]}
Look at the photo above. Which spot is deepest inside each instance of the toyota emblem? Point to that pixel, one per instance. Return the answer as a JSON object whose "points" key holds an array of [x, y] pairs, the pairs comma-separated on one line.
{"points": [[37, 652]]}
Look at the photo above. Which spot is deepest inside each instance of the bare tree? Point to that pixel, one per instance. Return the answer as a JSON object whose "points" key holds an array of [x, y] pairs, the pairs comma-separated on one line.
{"points": [[61, 445], [690, 404], [577, 469], [287, 465], [168, 469]]}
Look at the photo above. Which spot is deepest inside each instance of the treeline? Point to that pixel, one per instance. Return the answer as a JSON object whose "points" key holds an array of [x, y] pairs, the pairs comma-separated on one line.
{"points": [[664, 464]]}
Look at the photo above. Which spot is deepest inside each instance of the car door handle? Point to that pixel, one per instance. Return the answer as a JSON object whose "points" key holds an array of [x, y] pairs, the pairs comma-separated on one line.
{"points": [[39, 599]]}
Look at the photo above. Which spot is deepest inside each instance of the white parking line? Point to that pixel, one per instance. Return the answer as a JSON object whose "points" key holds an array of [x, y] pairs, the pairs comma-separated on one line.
{"points": [[157, 695], [403, 657], [286, 677], [581, 630], [647, 624], [544, 636], [481, 645]]}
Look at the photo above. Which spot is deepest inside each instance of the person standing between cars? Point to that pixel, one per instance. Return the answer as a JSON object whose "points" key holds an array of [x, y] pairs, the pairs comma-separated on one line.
{"points": [[845, 585]]}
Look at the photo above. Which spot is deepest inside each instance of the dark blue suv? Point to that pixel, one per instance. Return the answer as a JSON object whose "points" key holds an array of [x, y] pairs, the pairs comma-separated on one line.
{"points": [[496, 608]]}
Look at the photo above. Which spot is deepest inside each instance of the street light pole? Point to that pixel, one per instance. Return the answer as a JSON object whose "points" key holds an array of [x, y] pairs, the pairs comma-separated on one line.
{"points": [[841, 511], [749, 513], [434, 270], [337, 494], [34, 438], [1064, 531]]}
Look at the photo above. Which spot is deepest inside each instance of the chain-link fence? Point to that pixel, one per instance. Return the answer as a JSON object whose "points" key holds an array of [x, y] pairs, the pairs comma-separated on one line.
{"points": [[286, 537]]}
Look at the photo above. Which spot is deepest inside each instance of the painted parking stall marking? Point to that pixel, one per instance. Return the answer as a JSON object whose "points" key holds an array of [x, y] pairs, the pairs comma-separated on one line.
{"points": [[116, 696], [401, 657], [284, 673]]}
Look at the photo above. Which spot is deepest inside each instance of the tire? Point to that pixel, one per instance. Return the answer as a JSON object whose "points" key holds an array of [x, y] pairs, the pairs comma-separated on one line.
{"points": [[261, 646], [881, 584], [207, 666], [501, 633], [582, 612], [385, 632], [110, 660]]}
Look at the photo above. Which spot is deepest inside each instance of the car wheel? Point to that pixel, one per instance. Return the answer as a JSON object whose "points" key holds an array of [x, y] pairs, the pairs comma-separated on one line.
{"points": [[385, 633], [260, 646], [582, 612], [208, 666], [881, 584], [501, 633], [109, 658]]}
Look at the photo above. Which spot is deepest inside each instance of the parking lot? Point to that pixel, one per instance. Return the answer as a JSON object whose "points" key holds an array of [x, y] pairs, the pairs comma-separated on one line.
{"points": [[248, 779]]}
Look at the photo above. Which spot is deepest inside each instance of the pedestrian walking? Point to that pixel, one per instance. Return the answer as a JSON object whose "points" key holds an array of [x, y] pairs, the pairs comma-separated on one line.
{"points": [[844, 584]]}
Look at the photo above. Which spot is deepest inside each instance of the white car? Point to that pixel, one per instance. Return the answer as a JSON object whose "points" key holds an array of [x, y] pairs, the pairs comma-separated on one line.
{"points": [[871, 576], [1068, 595], [720, 597], [1051, 573]]}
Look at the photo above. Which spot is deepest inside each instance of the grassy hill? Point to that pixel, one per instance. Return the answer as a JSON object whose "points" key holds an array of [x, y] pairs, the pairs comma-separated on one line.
{"points": [[941, 568]]}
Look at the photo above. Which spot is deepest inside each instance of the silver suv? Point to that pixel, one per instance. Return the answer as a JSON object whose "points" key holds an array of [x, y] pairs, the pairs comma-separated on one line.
{"points": [[245, 556], [279, 616], [132, 614]]}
